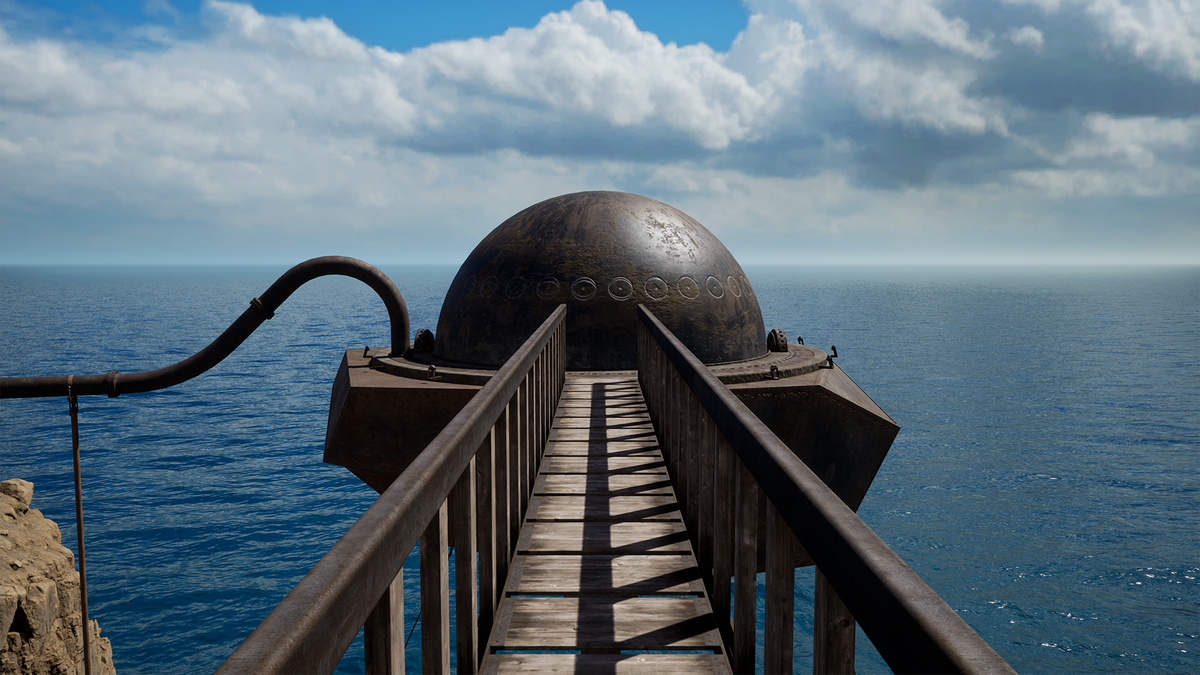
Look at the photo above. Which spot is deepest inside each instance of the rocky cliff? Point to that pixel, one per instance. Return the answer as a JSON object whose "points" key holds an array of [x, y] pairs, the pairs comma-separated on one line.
{"points": [[39, 595]]}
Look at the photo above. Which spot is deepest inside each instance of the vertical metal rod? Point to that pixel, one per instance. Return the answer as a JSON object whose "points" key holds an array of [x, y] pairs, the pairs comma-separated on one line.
{"points": [[73, 405]]}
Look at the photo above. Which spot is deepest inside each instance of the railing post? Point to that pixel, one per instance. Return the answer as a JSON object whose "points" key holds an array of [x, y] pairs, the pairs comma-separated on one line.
{"points": [[501, 501], [704, 514], [485, 528], [522, 438], [692, 440], [833, 631], [462, 514], [746, 569], [527, 442], [383, 633], [539, 414], [435, 596], [514, 477], [725, 480], [780, 591], [676, 413]]}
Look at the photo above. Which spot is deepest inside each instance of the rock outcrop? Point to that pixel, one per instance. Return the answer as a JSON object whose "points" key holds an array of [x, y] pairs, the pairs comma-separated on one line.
{"points": [[40, 616]]}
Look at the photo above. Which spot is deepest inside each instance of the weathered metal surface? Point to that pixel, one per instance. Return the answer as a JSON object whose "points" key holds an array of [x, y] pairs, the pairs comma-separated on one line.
{"points": [[261, 308], [911, 626], [379, 423], [601, 253], [829, 423]]}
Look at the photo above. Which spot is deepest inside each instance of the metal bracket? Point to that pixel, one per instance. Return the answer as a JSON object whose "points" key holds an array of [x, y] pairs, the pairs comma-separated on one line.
{"points": [[829, 361], [258, 304]]}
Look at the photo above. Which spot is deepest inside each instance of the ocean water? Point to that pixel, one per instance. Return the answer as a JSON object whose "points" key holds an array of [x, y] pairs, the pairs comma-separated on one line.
{"points": [[1045, 481]]}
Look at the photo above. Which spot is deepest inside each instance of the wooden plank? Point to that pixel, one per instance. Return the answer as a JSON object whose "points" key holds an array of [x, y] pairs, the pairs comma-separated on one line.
{"points": [[500, 501], [622, 623], [639, 423], [383, 633], [780, 594], [627, 575], [435, 596], [466, 609], [695, 439], [533, 382], [604, 508], [583, 448], [630, 410], [574, 397], [607, 664], [575, 408], [724, 481], [485, 537], [640, 434], [516, 515], [636, 464], [522, 440], [745, 581], [704, 516], [603, 394], [606, 484], [833, 630], [650, 536]]}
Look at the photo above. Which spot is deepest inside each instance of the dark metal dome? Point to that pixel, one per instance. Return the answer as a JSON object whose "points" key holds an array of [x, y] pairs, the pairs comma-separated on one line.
{"points": [[602, 253]]}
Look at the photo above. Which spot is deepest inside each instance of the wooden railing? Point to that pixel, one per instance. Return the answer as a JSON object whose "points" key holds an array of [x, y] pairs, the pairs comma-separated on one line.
{"points": [[469, 487], [725, 465]]}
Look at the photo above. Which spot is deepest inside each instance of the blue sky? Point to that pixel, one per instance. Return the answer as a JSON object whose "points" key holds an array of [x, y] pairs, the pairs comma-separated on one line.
{"points": [[798, 131]]}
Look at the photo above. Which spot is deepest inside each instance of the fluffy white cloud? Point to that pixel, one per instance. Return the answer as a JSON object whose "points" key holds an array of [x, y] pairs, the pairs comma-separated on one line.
{"points": [[1135, 140], [924, 96], [1164, 32], [1048, 6], [1027, 36], [904, 21], [1123, 157]]}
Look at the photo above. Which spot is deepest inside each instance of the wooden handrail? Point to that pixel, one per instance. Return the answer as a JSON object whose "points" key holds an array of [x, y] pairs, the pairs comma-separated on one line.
{"points": [[706, 429], [312, 627]]}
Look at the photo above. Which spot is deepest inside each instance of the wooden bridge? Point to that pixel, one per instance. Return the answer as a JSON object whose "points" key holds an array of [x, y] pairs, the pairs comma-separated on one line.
{"points": [[605, 524], [604, 563]]}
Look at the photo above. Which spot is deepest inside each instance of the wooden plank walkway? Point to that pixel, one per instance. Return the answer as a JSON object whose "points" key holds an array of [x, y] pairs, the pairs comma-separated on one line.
{"points": [[604, 577]]}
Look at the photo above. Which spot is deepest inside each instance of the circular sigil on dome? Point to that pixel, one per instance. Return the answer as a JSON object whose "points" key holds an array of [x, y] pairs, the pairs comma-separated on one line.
{"points": [[601, 253]]}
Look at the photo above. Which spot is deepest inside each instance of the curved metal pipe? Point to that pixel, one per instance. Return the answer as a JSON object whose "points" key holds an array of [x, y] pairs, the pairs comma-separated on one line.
{"points": [[261, 308]]}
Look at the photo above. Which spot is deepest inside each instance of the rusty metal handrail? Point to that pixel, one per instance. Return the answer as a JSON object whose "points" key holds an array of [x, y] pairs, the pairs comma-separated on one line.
{"points": [[311, 628], [261, 308], [909, 624]]}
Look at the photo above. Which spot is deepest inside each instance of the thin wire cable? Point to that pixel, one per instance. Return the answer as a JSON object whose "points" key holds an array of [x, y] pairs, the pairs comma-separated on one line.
{"points": [[414, 627], [418, 619], [73, 405]]}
